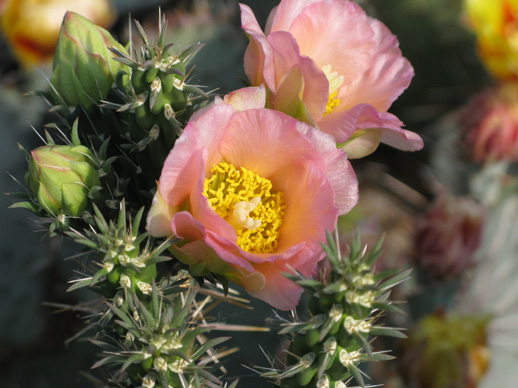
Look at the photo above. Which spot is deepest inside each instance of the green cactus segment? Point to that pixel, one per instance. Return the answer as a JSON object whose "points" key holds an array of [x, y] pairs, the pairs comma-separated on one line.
{"points": [[84, 68], [150, 330], [60, 177], [159, 100], [126, 261], [342, 312], [158, 340]]}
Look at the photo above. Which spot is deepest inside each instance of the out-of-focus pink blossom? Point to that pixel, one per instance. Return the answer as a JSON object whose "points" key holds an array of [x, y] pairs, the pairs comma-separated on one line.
{"points": [[329, 64], [447, 236], [251, 193], [490, 123]]}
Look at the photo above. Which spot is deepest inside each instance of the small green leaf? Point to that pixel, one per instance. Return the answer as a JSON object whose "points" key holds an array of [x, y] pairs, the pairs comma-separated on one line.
{"points": [[132, 359], [387, 332], [25, 205], [74, 134], [392, 282], [79, 284]]}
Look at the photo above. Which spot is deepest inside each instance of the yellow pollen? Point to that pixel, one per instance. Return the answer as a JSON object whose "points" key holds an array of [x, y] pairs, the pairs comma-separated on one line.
{"points": [[246, 201], [335, 83]]}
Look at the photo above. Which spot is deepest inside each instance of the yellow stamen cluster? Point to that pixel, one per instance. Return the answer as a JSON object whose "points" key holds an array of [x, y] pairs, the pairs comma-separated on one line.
{"points": [[335, 82], [246, 201], [332, 103]]}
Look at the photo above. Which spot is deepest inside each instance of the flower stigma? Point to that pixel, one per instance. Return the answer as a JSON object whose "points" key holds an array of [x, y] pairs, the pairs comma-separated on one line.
{"points": [[335, 82], [246, 201]]}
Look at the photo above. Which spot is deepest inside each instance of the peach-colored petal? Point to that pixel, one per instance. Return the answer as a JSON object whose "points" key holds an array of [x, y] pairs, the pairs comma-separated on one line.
{"points": [[159, 217], [180, 171], [335, 33], [282, 16], [389, 75], [314, 89], [206, 215], [258, 64], [258, 140], [278, 291], [339, 170], [195, 149], [254, 281], [247, 98], [364, 142], [292, 252], [310, 206], [363, 116], [269, 21], [402, 139], [188, 228], [342, 125]]}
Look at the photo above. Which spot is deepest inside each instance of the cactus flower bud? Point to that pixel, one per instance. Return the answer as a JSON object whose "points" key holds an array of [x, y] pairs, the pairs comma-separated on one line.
{"points": [[84, 68], [61, 176]]}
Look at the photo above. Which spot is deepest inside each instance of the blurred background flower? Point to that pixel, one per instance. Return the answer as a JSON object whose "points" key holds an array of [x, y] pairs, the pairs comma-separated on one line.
{"points": [[31, 27], [447, 236], [495, 23], [446, 350], [490, 124]]}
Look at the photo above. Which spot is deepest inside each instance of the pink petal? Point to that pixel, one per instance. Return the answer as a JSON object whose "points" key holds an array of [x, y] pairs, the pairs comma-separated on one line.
{"points": [[402, 139], [258, 140], [336, 33], [159, 217], [206, 215], [389, 75], [247, 98], [315, 88], [258, 61], [194, 150], [286, 12], [339, 170], [310, 208], [186, 227], [278, 291], [364, 142], [269, 21], [342, 125]]}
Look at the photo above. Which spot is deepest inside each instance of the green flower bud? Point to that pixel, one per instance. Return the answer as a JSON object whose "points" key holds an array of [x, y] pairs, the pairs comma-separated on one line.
{"points": [[61, 177], [84, 68]]}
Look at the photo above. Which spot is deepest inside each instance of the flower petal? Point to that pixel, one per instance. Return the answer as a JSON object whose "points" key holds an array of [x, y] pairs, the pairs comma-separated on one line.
{"points": [[335, 33], [339, 170], [363, 116], [389, 75], [159, 217], [314, 91], [278, 291], [258, 61], [257, 139], [286, 12], [247, 98]]}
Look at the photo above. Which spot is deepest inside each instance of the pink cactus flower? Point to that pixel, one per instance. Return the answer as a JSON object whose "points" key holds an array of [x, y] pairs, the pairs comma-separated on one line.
{"points": [[448, 235], [490, 124], [250, 193], [329, 64]]}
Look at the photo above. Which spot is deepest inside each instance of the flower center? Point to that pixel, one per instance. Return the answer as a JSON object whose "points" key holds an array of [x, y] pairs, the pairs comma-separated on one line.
{"points": [[246, 201], [335, 82]]}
